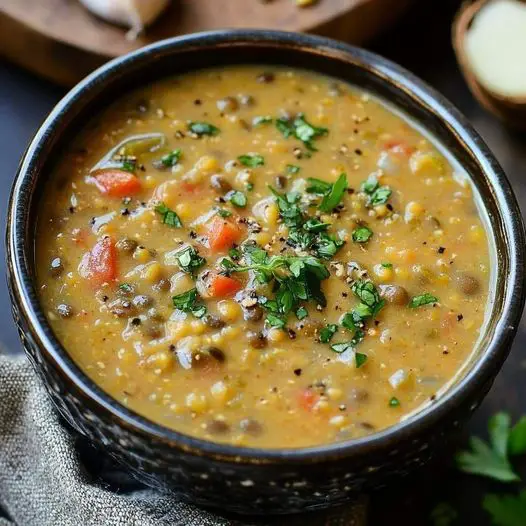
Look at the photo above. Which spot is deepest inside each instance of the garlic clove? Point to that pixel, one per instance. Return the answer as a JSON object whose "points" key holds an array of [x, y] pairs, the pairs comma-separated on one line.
{"points": [[134, 14], [489, 37]]}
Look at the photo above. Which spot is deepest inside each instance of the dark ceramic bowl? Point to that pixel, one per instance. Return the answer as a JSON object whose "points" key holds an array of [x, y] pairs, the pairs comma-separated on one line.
{"points": [[239, 478]]}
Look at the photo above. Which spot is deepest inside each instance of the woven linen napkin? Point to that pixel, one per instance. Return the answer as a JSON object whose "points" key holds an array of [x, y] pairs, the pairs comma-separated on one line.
{"points": [[50, 477]]}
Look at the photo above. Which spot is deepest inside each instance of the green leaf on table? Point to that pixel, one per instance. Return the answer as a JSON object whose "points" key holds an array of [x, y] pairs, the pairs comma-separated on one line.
{"points": [[490, 460], [506, 510]]}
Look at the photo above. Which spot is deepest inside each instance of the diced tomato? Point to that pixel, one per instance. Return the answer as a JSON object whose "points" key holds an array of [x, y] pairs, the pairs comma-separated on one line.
{"points": [[399, 147], [221, 286], [117, 183], [189, 188], [99, 265], [308, 399], [222, 234]]}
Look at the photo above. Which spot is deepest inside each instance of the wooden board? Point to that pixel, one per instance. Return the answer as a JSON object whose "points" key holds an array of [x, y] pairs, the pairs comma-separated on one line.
{"points": [[62, 41]]}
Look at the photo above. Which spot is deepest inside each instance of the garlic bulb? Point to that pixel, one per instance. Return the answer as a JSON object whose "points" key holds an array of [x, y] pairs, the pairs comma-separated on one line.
{"points": [[135, 14]]}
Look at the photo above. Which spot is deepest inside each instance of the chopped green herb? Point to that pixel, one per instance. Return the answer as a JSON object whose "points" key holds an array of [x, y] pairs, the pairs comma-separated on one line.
{"points": [[506, 510], [422, 299], [394, 402], [301, 129], [223, 212], [387, 265], [317, 186], [315, 225], [234, 253], [189, 260], [126, 288], [443, 514], [289, 208], [203, 128], [237, 198], [169, 160], [170, 218], [368, 294], [328, 332], [251, 160], [517, 440], [362, 234], [188, 302], [292, 169], [378, 195], [301, 313], [360, 359], [334, 196], [490, 460], [129, 165], [275, 321], [258, 121]]}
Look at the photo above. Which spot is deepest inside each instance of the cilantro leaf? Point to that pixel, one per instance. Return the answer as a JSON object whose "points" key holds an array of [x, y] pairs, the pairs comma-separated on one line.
{"points": [[334, 196], [222, 212], [292, 169], [490, 460], [362, 234], [443, 514], [300, 128], [394, 402], [259, 120], [251, 160], [366, 292], [360, 359], [301, 313], [189, 260], [328, 332], [377, 195], [237, 198], [203, 128], [370, 184], [187, 302], [317, 186], [169, 160], [275, 321], [517, 439], [170, 217], [506, 510], [422, 299]]}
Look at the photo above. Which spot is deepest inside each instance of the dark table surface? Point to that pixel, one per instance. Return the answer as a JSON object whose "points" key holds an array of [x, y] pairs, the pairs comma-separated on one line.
{"points": [[421, 43]]}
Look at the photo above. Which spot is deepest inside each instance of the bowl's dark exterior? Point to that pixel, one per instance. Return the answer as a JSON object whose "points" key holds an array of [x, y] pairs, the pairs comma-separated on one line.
{"points": [[242, 479]]}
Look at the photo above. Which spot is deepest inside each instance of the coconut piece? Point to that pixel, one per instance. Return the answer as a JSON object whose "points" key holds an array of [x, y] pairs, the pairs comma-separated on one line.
{"points": [[489, 38], [134, 14]]}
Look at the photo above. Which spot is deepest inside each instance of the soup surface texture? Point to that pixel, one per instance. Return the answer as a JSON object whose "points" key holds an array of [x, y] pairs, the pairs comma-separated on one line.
{"points": [[265, 257]]}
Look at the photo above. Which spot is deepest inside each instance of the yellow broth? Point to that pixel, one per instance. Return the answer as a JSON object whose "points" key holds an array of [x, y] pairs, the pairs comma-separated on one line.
{"points": [[367, 286]]}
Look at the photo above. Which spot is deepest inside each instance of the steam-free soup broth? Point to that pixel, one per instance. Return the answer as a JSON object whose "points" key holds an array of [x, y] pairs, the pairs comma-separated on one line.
{"points": [[262, 256]]}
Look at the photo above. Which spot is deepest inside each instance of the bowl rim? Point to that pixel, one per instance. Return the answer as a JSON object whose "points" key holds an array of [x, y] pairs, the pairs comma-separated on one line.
{"points": [[480, 372]]}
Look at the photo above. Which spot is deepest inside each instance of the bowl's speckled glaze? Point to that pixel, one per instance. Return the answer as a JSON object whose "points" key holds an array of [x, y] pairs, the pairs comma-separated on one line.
{"points": [[243, 479]]}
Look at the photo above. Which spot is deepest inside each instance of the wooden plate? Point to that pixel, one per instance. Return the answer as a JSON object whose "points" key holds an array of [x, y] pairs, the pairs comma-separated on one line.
{"points": [[62, 41]]}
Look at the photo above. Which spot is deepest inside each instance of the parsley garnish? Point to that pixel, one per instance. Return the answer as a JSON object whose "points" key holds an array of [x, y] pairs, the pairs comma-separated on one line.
{"points": [[126, 288], [223, 212], [169, 160], [301, 129], [170, 218], [394, 402], [360, 359], [377, 195], [251, 160], [506, 510], [332, 193], [368, 294], [387, 265], [275, 321], [295, 278], [203, 128], [422, 299], [328, 332], [128, 165], [362, 234], [301, 313], [189, 260], [292, 169], [257, 121], [237, 198], [187, 302], [492, 460]]}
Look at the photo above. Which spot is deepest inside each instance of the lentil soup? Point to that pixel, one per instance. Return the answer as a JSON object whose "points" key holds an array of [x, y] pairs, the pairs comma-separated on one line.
{"points": [[267, 258]]}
